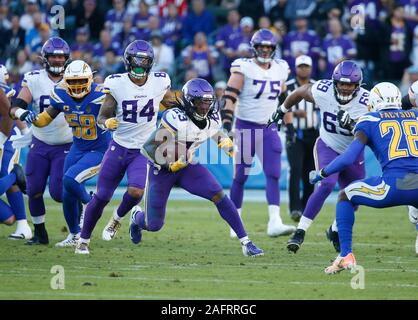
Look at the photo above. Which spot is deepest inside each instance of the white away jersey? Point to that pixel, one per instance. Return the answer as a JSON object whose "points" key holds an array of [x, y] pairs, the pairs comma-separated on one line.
{"points": [[178, 123], [259, 96], [137, 106], [330, 132], [40, 87], [413, 92]]}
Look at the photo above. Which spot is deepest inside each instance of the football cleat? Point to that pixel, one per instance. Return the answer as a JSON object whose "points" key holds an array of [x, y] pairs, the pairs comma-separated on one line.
{"points": [[413, 214], [82, 248], [295, 242], [20, 177], [112, 227], [295, 215], [70, 241], [40, 237], [23, 231], [276, 228], [342, 263], [251, 250], [332, 236], [135, 232]]}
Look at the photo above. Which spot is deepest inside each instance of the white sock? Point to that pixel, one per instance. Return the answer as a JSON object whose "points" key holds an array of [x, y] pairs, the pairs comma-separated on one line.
{"points": [[304, 223], [274, 213], [38, 219], [116, 217], [244, 240], [84, 240], [21, 223], [334, 226]]}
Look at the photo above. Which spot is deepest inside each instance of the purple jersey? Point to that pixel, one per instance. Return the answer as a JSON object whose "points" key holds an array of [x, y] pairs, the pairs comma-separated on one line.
{"points": [[200, 61], [373, 9], [298, 43], [171, 30], [411, 9], [86, 47], [114, 21], [99, 50], [397, 47], [335, 49], [140, 22], [229, 38]]}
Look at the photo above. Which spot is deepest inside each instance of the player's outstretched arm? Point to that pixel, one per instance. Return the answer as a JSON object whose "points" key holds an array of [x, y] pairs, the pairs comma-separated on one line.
{"points": [[6, 123], [106, 117], [169, 100], [46, 117], [232, 91], [343, 160], [303, 92], [19, 108]]}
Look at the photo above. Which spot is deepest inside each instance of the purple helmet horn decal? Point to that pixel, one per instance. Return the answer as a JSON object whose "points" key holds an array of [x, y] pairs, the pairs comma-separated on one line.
{"points": [[347, 72], [138, 58], [55, 47], [264, 37], [195, 92]]}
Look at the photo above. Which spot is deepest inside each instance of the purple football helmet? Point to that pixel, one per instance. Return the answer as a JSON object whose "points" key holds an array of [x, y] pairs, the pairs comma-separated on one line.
{"points": [[198, 99], [55, 47], [138, 58], [346, 72], [264, 37]]}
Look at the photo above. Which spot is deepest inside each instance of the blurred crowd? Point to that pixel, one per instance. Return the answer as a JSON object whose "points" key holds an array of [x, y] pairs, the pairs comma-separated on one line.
{"points": [[201, 38]]}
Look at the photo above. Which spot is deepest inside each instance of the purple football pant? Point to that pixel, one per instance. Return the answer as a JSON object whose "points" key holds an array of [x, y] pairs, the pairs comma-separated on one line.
{"points": [[255, 139], [44, 161], [116, 161], [323, 156], [195, 179]]}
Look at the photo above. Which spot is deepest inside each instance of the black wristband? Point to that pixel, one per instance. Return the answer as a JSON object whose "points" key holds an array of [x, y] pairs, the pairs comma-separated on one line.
{"points": [[20, 103], [232, 89], [227, 125], [232, 98], [227, 114]]}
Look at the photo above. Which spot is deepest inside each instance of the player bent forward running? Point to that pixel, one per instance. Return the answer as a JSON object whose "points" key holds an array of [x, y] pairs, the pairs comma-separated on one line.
{"points": [[189, 124], [392, 134]]}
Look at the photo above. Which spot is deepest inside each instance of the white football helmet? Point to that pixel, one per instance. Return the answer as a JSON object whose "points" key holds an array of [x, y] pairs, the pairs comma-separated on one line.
{"points": [[4, 74], [385, 95], [78, 79]]}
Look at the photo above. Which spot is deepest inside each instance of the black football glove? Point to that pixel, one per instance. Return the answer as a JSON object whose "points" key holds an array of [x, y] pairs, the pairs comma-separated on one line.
{"points": [[345, 121], [277, 118]]}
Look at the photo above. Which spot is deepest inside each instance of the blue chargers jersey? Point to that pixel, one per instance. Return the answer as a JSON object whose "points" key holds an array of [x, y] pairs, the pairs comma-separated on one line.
{"points": [[393, 137], [10, 93], [81, 116]]}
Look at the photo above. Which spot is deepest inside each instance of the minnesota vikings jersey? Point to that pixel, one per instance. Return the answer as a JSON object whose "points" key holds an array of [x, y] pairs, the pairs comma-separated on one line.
{"points": [[40, 87], [261, 90], [137, 106], [82, 117], [393, 137], [413, 92], [177, 122], [330, 132]]}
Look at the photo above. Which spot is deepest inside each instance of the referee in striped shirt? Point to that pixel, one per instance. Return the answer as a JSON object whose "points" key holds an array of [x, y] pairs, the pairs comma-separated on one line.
{"points": [[302, 130]]}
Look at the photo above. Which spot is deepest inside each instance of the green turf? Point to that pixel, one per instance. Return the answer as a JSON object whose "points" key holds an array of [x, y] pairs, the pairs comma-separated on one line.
{"points": [[192, 257]]}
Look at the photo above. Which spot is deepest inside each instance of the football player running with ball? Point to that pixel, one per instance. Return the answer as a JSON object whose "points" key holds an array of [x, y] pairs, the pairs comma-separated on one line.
{"points": [[257, 83], [341, 101], [187, 126]]}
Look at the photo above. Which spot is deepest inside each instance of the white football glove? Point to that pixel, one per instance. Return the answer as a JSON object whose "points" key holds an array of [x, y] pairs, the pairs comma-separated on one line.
{"points": [[22, 140]]}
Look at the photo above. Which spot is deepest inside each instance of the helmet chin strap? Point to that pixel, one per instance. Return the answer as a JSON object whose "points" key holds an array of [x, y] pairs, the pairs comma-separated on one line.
{"points": [[264, 60]]}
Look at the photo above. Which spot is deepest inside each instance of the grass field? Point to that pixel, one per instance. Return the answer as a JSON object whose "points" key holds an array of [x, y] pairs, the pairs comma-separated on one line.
{"points": [[192, 257]]}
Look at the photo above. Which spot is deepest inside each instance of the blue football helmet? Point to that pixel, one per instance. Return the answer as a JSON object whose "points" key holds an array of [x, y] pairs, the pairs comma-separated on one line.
{"points": [[346, 72], [138, 58], [198, 99]]}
